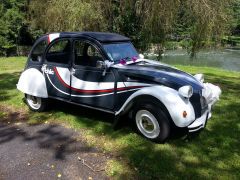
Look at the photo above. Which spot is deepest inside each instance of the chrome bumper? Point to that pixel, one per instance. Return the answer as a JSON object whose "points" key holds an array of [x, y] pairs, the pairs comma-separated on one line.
{"points": [[200, 123]]}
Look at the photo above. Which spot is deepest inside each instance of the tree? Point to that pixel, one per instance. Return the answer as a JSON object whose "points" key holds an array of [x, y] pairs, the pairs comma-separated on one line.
{"points": [[146, 22], [66, 15], [209, 21], [235, 23], [150, 21], [11, 20]]}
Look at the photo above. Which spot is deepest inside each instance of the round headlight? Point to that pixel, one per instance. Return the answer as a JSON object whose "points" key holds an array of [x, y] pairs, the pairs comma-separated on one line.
{"points": [[186, 91], [199, 77]]}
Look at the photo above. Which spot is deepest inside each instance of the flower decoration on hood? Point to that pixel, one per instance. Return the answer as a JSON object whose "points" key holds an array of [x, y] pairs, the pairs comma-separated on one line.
{"points": [[123, 61], [134, 58]]}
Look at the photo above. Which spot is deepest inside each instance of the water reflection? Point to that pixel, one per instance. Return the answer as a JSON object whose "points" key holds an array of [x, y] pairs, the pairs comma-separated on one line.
{"points": [[228, 59]]}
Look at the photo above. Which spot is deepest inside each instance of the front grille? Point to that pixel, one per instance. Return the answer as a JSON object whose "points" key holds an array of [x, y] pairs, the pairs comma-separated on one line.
{"points": [[195, 101], [204, 105], [203, 102]]}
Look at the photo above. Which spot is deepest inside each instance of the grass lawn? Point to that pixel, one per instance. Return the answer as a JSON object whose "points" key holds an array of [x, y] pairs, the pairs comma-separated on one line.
{"points": [[214, 154]]}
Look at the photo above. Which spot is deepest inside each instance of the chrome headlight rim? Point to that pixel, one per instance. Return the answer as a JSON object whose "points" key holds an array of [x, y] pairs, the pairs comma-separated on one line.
{"points": [[186, 91]]}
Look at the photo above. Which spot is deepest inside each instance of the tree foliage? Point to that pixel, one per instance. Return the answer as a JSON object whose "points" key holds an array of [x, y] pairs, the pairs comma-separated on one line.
{"points": [[11, 20], [209, 21], [235, 23], [150, 21], [67, 15], [146, 22]]}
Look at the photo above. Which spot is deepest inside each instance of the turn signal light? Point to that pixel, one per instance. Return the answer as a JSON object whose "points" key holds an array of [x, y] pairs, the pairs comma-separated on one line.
{"points": [[184, 114]]}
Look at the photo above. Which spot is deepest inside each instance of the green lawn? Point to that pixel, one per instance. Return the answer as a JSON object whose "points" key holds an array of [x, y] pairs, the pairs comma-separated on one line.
{"points": [[214, 154]]}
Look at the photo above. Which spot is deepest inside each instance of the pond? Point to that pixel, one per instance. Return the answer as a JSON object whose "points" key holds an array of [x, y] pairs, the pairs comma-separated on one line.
{"points": [[228, 59]]}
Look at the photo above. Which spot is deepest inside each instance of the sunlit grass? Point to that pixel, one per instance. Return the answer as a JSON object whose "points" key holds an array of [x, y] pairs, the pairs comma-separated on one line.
{"points": [[213, 154]]}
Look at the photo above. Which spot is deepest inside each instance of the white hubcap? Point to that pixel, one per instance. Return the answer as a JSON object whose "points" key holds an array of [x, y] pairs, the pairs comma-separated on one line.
{"points": [[34, 102], [147, 124]]}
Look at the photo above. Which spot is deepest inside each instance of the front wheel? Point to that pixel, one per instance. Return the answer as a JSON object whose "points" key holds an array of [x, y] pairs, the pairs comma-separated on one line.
{"points": [[152, 122], [36, 103]]}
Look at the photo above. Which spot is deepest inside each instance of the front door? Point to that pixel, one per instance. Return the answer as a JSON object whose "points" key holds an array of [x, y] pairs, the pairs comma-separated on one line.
{"points": [[56, 69], [89, 84]]}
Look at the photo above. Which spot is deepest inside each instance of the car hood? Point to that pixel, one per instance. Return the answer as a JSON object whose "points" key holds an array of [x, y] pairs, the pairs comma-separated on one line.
{"points": [[154, 72]]}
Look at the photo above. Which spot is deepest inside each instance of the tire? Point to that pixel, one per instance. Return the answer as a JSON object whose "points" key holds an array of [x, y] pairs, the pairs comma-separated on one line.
{"points": [[36, 103], [152, 122]]}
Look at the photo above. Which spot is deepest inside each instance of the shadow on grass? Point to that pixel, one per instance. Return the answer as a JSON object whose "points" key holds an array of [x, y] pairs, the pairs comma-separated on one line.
{"points": [[7, 82], [212, 154], [226, 83]]}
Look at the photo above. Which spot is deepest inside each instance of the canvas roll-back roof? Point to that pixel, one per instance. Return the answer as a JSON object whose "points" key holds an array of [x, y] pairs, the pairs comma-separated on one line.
{"points": [[100, 36]]}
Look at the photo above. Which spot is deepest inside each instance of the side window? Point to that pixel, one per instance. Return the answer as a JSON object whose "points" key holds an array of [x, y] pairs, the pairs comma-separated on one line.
{"points": [[59, 47], [86, 54], [38, 51], [59, 52], [93, 52]]}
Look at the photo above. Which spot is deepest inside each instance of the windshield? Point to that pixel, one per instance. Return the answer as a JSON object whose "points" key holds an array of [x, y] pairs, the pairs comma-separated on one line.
{"points": [[121, 51]]}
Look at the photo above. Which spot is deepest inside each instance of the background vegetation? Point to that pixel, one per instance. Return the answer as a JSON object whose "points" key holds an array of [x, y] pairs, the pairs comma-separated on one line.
{"points": [[191, 24]]}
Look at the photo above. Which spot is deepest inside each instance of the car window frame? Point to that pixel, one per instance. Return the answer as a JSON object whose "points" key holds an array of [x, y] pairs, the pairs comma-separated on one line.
{"points": [[44, 38], [45, 61], [95, 45]]}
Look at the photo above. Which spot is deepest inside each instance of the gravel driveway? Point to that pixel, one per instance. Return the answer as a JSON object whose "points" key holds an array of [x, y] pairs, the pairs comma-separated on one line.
{"points": [[46, 151]]}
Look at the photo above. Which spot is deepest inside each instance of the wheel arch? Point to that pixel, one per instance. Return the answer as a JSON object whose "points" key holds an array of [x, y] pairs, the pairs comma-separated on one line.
{"points": [[145, 98], [169, 99], [32, 82]]}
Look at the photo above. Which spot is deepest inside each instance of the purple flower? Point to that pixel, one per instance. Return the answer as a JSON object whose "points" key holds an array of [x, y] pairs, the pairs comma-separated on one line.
{"points": [[123, 61], [134, 58]]}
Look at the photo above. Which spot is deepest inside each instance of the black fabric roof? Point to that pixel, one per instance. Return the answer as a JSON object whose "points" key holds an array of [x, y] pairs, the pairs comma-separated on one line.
{"points": [[100, 36]]}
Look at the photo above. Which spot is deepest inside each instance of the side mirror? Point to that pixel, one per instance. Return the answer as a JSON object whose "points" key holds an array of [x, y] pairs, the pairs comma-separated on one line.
{"points": [[104, 65], [100, 65], [141, 56]]}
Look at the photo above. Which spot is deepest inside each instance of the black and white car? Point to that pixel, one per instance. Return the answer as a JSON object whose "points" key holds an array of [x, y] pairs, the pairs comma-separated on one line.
{"points": [[104, 71]]}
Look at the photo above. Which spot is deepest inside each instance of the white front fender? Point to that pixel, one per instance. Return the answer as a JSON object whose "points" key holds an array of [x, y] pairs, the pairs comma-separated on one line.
{"points": [[32, 82], [174, 103]]}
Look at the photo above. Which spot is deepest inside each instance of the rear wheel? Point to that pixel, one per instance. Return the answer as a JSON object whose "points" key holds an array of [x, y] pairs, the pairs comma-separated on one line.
{"points": [[152, 122], [36, 103]]}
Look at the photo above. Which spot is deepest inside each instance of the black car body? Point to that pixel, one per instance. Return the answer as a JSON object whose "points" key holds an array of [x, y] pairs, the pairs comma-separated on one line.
{"points": [[104, 71]]}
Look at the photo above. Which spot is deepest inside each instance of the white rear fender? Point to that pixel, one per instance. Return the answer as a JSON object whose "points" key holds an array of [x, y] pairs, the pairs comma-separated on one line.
{"points": [[175, 104], [32, 82]]}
